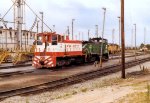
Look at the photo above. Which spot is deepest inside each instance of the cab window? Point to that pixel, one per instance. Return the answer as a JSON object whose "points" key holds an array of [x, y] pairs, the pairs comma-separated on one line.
{"points": [[54, 40], [39, 38], [37, 43]]}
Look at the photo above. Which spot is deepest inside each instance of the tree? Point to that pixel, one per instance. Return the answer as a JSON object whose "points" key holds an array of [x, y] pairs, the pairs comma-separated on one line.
{"points": [[142, 45]]}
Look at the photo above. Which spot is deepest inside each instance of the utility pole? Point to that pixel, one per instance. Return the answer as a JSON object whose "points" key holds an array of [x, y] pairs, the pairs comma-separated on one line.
{"points": [[119, 38], [14, 16], [144, 36], [37, 27], [24, 14], [119, 33], [0, 21], [6, 37], [53, 28], [96, 30], [113, 32], [135, 41], [88, 34], [132, 38], [101, 52], [144, 40], [122, 40], [79, 36], [68, 31], [72, 27], [42, 16], [25, 34]]}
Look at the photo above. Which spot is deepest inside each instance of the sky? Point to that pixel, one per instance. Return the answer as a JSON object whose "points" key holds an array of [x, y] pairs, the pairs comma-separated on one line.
{"points": [[87, 14]]}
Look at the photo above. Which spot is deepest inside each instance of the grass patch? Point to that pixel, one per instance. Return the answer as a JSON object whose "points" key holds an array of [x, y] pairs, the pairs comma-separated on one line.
{"points": [[66, 95], [137, 97], [140, 97], [138, 84], [74, 92], [109, 82], [99, 84]]}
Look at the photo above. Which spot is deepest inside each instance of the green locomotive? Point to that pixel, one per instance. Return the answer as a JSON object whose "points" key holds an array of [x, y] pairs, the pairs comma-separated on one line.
{"points": [[92, 49]]}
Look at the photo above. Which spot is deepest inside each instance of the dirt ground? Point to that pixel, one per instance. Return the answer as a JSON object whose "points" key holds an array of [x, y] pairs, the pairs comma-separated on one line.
{"points": [[108, 89], [114, 92]]}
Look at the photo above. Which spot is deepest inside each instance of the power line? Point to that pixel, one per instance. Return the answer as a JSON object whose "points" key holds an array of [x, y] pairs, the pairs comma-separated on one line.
{"points": [[2, 19], [8, 10], [38, 17]]}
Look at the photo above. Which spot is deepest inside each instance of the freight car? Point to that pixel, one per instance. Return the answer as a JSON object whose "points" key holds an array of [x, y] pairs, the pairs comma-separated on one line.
{"points": [[113, 48], [52, 50]]}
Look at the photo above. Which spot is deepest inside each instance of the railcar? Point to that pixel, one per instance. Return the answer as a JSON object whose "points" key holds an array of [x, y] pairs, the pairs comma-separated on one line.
{"points": [[114, 48], [52, 50]]}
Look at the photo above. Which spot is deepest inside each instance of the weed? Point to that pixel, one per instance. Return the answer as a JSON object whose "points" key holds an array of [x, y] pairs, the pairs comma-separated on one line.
{"points": [[84, 90], [137, 97], [144, 69], [27, 101], [74, 92]]}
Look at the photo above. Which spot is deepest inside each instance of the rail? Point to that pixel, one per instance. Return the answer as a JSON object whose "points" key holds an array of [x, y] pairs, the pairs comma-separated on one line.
{"points": [[71, 79]]}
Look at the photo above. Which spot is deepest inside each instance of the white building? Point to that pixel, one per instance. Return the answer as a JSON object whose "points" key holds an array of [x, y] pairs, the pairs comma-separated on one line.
{"points": [[8, 39]]}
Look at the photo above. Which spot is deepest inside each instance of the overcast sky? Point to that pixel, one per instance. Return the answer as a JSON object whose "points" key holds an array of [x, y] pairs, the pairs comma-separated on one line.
{"points": [[87, 14]]}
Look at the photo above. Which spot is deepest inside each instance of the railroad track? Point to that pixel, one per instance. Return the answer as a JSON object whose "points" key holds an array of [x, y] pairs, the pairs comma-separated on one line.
{"points": [[15, 66], [70, 80], [3, 75], [117, 56], [27, 65], [24, 72]]}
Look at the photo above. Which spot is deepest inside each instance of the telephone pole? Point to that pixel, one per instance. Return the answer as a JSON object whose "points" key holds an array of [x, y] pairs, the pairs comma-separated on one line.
{"points": [[113, 32], [68, 31], [122, 40], [37, 25], [72, 27], [101, 51], [88, 34], [53, 28], [119, 32], [119, 38], [79, 36], [144, 41], [132, 33], [135, 41], [144, 36], [96, 31], [42, 16]]}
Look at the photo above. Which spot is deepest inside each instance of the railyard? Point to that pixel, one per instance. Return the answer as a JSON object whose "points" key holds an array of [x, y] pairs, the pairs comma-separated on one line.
{"points": [[36, 81], [45, 64]]}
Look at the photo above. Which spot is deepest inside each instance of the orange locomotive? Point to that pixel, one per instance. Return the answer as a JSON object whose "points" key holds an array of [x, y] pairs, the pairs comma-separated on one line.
{"points": [[53, 50]]}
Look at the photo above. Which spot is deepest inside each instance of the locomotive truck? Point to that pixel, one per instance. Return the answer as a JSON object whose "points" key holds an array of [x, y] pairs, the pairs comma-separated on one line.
{"points": [[55, 50]]}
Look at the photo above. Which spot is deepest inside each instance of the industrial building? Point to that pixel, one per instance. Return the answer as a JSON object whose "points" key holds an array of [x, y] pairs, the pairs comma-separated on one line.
{"points": [[8, 39]]}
